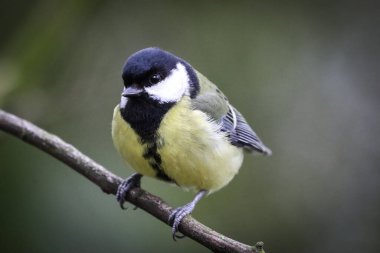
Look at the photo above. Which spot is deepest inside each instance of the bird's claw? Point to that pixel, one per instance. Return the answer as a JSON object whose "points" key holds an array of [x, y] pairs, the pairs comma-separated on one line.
{"points": [[177, 216], [129, 183], [179, 213]]}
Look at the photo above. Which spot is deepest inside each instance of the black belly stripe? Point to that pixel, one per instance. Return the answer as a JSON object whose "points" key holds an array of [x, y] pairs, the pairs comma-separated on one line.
{"points": [[155, 161], [160, 173]]}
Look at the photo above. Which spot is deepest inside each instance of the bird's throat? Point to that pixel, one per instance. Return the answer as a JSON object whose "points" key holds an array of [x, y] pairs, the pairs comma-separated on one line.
{"points": [[144, 115]]}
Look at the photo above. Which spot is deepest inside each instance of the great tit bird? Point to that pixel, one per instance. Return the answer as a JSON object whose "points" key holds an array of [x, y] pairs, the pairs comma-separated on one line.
{"points": [[175, 125]]}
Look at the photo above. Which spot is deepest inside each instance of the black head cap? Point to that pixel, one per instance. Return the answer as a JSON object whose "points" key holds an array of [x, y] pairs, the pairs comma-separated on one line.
{"points": [[142, 65]]}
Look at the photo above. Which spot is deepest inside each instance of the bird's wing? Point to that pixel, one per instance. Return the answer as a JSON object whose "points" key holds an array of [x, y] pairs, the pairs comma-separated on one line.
{"points": [[214, 103], [241, 134]]}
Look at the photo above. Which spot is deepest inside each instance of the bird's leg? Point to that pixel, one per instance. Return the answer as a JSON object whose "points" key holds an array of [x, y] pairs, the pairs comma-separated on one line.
{"points": [[130, 182], [179, 213]]}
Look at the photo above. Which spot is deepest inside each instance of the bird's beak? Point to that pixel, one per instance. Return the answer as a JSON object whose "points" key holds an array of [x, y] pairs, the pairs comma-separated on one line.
{"points": [[131, 91]]}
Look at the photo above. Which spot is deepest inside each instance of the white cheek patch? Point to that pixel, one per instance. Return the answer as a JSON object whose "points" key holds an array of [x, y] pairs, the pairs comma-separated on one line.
{"points": [[123, 102], [172, 88]]}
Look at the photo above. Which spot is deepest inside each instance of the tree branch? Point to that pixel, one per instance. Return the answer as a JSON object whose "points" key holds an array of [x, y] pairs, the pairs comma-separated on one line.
{"points": [[109, 182]]}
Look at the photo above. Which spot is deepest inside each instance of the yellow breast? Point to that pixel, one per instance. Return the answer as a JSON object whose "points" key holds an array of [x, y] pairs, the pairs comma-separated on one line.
{"points": [[194, 153]]}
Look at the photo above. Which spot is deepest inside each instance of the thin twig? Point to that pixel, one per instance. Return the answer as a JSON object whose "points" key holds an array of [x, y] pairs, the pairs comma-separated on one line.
{"points": [[109, 182]]}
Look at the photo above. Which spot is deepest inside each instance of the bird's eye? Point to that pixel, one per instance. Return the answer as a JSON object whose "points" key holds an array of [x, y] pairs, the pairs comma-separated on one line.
{"points": [[155, 79]]}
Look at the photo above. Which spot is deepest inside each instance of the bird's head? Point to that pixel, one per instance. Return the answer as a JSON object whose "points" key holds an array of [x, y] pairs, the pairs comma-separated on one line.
{"points": [[159, 75]]}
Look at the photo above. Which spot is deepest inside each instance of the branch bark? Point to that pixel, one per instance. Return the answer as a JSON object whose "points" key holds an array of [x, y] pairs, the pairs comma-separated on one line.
{"points": [[109, 182]]}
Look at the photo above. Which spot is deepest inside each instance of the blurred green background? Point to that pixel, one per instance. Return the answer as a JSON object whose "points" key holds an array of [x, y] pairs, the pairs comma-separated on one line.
{"points": [[305, 74]]}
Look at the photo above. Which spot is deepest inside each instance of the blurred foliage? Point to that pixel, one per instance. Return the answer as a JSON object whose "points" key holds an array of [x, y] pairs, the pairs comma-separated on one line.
{"points": [[304, 73]]}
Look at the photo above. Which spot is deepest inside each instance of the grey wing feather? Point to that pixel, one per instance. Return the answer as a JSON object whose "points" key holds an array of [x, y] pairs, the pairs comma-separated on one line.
{"points": [[215, 104], [241, 134]]}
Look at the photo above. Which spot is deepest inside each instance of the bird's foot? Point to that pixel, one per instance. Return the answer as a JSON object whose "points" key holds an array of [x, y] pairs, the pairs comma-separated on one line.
{"points": [[179, 213], [177, 216], [129, 183]]}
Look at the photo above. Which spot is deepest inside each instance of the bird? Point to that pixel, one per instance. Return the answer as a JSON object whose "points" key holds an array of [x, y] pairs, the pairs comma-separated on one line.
{"points": [[175, 125]]}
